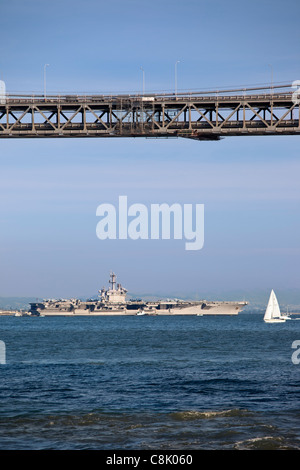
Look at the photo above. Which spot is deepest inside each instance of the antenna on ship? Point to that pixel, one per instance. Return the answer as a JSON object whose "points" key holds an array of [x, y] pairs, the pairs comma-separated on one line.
{"points": [[113, 280]]}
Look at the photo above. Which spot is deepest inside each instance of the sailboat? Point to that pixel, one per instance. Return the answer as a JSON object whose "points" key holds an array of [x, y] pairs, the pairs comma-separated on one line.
{"points": [[272, 314]]}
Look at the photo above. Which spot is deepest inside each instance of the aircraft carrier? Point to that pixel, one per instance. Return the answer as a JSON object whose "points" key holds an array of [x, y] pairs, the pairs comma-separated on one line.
{"points": [[112, 301]]}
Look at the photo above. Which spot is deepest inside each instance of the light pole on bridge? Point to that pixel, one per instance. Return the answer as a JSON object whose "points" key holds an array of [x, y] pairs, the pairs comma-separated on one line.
{"points": [[143, 80], [271, 66], [45, 79], [177, 62]]}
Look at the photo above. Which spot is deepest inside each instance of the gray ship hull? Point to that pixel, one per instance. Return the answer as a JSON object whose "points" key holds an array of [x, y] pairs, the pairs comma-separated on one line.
{"points": [[113, 302], [205, 308]]}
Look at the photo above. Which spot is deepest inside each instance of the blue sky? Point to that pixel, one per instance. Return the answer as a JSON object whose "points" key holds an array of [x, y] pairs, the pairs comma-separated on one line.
{"points": [[50, 189]]}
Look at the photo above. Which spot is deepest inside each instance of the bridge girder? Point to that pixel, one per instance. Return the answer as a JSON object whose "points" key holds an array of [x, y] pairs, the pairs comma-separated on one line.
{"points": [[195, 117]]}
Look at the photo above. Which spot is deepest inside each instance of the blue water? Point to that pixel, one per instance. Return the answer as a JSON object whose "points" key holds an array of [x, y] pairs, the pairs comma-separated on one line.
{"points": [[149, 383]]}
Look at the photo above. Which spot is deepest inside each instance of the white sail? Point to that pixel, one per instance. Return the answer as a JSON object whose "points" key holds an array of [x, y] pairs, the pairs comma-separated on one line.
{"points": [[272, 313], [269, 309], [276, 309]]}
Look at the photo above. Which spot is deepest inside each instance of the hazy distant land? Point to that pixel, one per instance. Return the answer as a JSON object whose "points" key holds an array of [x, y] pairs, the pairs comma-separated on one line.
{"points": [[288, 299]]}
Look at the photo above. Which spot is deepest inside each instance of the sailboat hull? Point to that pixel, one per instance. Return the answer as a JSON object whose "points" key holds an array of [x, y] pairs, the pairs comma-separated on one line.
{"points": [[275, 320]]}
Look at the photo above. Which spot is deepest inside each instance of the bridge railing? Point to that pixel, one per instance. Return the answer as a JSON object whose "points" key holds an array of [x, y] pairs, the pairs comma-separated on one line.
{"points": [[264, 92]]}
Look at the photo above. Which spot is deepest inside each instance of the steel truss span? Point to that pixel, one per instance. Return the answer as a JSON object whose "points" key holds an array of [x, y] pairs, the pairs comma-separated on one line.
{"points": [[201, 116]]}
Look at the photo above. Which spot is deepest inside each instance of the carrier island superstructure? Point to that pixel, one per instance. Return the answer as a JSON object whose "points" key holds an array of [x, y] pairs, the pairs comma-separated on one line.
{"points": [[112, 301]]}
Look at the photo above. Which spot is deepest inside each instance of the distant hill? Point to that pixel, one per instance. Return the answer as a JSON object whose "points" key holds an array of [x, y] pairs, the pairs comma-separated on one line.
{"points": [[15, 303]]}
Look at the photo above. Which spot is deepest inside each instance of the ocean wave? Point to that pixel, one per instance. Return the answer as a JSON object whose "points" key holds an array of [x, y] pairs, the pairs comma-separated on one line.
{"points": [[193, 414], [234, 428], [264, 443], [130, 419]]}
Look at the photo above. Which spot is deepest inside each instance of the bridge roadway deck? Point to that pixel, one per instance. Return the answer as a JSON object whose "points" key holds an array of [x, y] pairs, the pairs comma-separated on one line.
{"points": [[202, 117]]}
